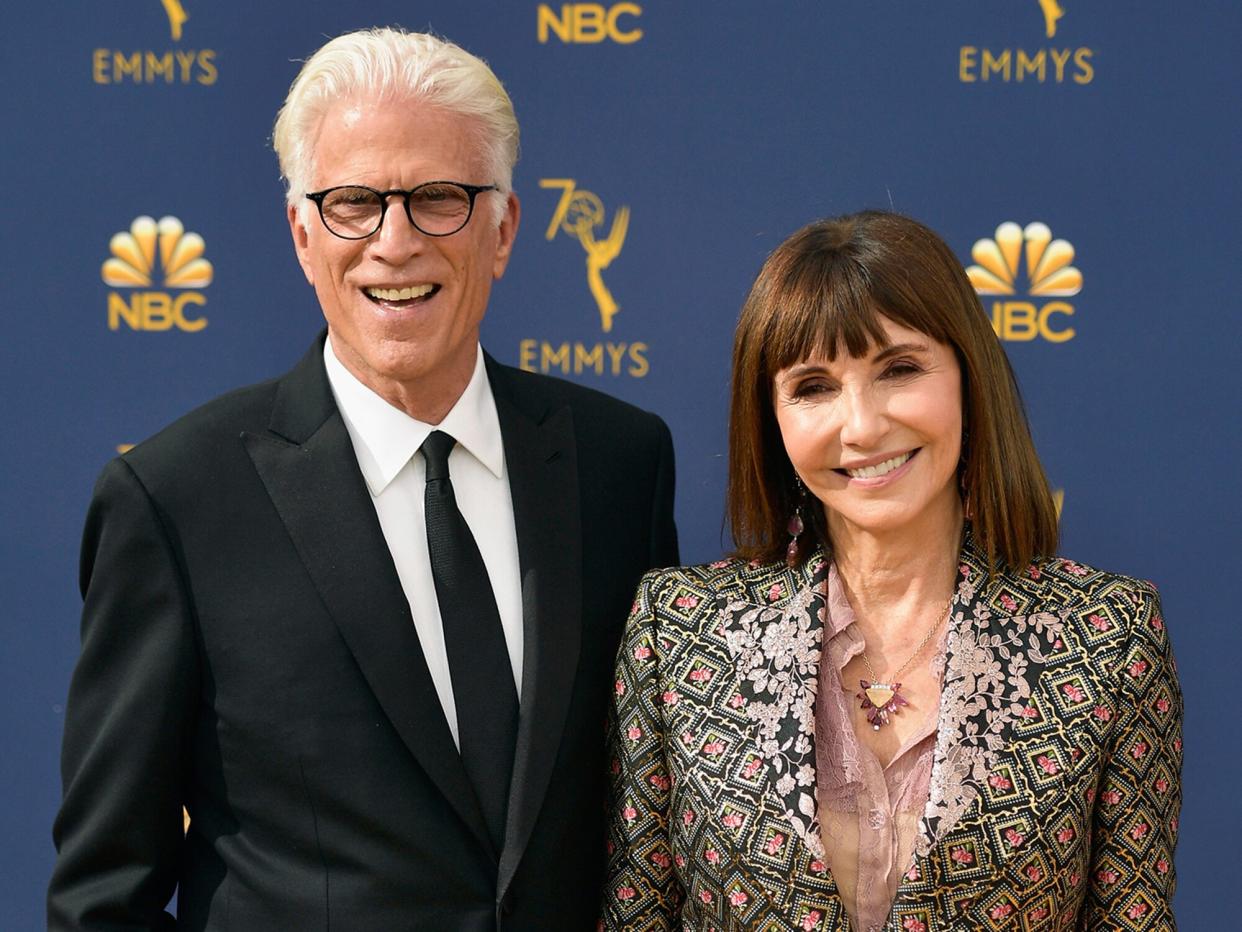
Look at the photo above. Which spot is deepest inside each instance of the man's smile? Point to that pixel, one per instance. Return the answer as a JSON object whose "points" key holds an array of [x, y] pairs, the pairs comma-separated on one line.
{"points": [[401, 298]]}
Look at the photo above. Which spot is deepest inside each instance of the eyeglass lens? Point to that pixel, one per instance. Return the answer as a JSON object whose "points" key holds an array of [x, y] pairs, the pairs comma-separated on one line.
{"points": [[437, 209]]}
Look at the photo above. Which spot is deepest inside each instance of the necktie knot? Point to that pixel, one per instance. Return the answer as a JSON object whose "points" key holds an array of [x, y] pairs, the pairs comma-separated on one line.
{"points": [[436, 449]]}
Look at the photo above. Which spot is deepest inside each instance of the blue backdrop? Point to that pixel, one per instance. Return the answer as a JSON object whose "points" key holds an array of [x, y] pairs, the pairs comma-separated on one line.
{"points": [[666, 149]]}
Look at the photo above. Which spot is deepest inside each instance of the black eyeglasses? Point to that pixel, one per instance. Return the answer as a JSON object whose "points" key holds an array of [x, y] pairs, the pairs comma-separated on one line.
{"points": [[436, 208]]}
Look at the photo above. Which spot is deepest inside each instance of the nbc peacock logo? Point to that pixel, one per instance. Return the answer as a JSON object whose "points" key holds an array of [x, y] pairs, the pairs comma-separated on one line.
{"points": [[1048, 273], [149, 247]]}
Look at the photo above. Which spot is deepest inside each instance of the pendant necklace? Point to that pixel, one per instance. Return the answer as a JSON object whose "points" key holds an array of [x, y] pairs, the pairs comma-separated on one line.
{"points": [[880, 700]]}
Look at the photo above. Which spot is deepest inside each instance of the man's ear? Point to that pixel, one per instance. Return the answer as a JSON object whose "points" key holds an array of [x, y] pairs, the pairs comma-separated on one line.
{"points": [[301, 242], [506, 234]]}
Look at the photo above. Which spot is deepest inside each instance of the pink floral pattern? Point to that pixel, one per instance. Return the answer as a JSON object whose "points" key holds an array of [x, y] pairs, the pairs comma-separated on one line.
{"points": [[1058, 747]]}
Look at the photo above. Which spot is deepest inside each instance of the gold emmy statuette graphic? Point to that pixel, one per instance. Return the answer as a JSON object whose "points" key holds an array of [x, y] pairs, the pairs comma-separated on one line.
{"points": [[1053, 11], [1048, 268], [579, 212], [177, 17]]}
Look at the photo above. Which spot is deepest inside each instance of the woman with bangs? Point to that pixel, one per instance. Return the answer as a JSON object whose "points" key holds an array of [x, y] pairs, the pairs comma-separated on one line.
{"points": [[893, 707]]}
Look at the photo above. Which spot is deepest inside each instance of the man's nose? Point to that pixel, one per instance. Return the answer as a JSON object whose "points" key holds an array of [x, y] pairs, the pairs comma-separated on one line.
{"points": [[397, 238]]}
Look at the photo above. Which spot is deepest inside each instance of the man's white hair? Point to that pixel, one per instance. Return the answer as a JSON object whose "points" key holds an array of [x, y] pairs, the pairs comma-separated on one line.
{"points": [[392, 65]]}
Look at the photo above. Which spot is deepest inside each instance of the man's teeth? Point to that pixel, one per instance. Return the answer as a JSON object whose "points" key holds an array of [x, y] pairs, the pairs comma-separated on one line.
{"points": [[399, 294], [879, 469]]}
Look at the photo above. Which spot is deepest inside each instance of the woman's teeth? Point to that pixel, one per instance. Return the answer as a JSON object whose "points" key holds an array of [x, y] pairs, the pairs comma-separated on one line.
{"points": [[879, 469]]}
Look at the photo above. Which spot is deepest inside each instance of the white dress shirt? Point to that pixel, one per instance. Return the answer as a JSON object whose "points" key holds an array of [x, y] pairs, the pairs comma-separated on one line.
{"points": [[386, 442]]}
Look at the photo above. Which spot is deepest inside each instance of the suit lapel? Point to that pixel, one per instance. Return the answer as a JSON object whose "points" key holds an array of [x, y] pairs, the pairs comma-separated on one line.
{"points": [[308, 467], [540, 456], [977, 819], [774, 630]]}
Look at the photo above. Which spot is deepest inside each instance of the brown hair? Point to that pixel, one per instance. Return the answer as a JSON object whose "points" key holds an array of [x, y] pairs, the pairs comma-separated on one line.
{"points": [[825, 288]]}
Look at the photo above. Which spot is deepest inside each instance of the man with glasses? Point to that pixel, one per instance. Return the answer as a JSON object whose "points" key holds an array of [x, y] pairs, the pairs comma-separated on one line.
{"points": [[360, 621]]}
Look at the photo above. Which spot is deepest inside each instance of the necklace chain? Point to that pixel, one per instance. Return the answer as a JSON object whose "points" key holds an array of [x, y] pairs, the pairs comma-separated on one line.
{"points": [[935, 626]]}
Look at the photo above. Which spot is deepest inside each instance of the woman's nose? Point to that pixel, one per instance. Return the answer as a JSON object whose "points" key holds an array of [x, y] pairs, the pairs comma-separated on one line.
{"points": [[863, 422]]}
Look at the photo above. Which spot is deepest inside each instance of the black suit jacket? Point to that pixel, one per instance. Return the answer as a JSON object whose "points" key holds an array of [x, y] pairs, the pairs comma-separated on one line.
{"points": [[248, 652]]}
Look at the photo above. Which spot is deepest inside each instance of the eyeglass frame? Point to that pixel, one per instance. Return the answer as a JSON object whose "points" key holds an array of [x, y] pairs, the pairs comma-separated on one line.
{"points": [[472, 192]]}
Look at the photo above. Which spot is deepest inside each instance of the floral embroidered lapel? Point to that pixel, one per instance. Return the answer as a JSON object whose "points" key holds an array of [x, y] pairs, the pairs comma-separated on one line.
{"points": [[776, 650], [999, 639]]}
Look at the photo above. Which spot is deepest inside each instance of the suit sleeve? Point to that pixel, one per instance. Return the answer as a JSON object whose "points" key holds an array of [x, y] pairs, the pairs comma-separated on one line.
{"points": [[641, 892], [1134, 830], [663, 528], [128, 719]]}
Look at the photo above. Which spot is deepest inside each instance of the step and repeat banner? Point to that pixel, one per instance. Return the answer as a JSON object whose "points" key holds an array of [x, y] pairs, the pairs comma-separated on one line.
{"points": [[1081, 157]]}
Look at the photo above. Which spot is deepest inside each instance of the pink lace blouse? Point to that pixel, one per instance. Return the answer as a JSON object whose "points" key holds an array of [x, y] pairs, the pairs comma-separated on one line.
{"points": [[868, 814]]}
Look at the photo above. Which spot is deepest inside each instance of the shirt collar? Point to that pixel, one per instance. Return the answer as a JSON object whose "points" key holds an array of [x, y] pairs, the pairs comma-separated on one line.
{"points": [[385, 438], [840, 614]]}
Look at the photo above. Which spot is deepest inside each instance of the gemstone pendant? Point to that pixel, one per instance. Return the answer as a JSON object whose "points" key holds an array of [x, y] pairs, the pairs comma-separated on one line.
{"points": [[879, 701], [879, 695]]}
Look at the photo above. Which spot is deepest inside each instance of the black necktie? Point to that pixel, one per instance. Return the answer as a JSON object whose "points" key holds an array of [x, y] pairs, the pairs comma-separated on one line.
{"points": [[483, 691]]}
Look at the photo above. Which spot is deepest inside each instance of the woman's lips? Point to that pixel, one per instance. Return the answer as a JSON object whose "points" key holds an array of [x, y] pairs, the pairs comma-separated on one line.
{"points": [[882, 472]]}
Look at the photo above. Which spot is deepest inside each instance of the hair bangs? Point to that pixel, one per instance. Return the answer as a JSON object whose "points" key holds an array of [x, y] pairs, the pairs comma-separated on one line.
{"points": [[828, 309]]}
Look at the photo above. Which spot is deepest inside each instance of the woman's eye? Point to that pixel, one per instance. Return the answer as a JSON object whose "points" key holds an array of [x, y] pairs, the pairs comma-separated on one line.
{"points": [[901, 369], [811, 389]]}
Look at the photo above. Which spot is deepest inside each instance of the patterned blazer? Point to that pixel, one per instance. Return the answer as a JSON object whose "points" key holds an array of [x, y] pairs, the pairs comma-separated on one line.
{"points": [[1056, 783]]}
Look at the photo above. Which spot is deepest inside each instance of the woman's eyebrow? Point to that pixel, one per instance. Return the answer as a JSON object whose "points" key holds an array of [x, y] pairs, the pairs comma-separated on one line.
{"points": [[896, 349], [799, 370], [893, 349]]}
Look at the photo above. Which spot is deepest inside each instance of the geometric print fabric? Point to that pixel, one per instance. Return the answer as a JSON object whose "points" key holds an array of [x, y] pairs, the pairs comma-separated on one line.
{"points": [[1059, 803]]}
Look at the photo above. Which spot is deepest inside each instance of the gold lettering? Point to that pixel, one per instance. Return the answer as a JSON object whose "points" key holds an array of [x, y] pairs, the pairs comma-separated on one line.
{"points": [[966, 64], [1059, 58], [638, 355], [589, 23], [617, 11], [159, 65], [555, 356], [546, 19], [999, 65], [1034, 65], [99, 66], [1055, 336], [616, 352], [157, 311], [123, 64], [188, 324], [186, 61], [562, 206], [207, 62], [1020, 322], [588, 358], [1085, 70], [119, 309], [526, 354]]}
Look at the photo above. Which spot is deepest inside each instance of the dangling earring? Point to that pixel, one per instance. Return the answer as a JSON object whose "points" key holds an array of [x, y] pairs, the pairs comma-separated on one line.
{"points": [[795, 527], [961, 474]]}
